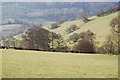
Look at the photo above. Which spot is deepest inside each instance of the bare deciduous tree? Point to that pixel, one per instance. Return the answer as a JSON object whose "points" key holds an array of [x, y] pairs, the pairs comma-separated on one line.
{"points": [[36, 38]]}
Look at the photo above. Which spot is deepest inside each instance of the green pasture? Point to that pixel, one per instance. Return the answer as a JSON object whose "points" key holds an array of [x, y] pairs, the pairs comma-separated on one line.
{"points": [[38, 64], [100, 26]]}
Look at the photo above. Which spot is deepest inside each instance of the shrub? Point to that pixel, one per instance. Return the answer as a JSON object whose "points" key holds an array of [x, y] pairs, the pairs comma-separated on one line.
{"points": [[85, 46], [75, 37], [72, 28]]}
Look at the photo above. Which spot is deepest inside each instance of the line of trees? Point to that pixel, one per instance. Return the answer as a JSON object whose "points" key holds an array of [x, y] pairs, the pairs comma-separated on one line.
{"points": [[75, 37], [109, 11], [56, 24], [12, 42], [42, 39], [56, 41], [39, 38]]}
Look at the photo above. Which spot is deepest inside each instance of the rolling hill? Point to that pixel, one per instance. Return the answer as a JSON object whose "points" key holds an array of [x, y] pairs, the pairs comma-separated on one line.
{"points": [[45, 13], [42, 64], [51, 11], [100, 26]]}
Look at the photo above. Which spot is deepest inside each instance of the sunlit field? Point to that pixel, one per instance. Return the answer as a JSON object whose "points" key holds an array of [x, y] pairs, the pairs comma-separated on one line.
{"points": [[37, 64]]}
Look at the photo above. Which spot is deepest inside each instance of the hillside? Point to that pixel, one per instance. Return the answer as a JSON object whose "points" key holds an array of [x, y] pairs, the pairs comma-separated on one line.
{"points": [[6, 31], [100, 26], [13, 29], [33, 14], [37, 64], [51, 11], [36, 41]]}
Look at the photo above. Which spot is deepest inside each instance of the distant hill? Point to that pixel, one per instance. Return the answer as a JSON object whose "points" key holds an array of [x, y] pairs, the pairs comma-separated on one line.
{"points": [[52, 10], [7, 31], [12, 27], [31, 14]]}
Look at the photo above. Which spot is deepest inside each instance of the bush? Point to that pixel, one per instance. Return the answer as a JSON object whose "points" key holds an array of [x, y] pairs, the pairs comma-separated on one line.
{"points": [[75, 37], [86, 20], [56, 41], [72, 28], [85, 46]]}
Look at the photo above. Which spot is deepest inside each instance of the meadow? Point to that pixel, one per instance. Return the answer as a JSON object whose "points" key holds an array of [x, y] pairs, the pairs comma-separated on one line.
{"points": [[100, 26], [38, 64]]}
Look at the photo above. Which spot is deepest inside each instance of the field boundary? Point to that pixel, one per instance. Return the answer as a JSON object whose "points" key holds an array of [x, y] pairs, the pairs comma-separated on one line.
{"points": [[45, 50]]}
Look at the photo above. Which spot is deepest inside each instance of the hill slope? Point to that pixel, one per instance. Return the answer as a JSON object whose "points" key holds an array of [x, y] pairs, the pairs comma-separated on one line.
{"points": [[100, 26], [10, 30]]}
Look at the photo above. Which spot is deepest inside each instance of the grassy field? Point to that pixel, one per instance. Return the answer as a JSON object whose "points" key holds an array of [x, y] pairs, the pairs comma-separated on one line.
{"points": [[37, 64], [100, 26]]}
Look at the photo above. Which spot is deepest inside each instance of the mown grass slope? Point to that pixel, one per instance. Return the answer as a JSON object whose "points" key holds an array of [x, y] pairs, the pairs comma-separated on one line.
{"points": [[37, 64], [100, 26]]}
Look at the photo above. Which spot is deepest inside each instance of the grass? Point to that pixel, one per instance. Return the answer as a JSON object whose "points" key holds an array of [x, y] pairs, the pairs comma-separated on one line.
{"points": [[37, 64], [62, 29], [100, 26]]}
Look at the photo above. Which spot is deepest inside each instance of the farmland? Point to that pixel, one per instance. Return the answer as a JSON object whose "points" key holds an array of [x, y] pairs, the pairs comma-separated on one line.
{"points": [[37, 64], [10, 30], [30, 30]]}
